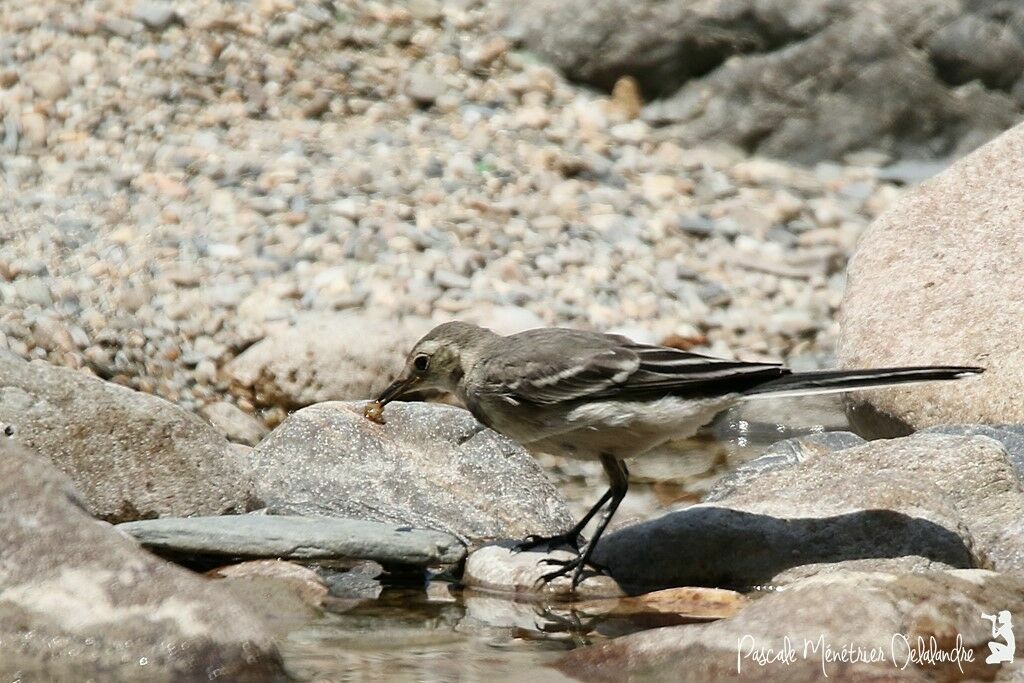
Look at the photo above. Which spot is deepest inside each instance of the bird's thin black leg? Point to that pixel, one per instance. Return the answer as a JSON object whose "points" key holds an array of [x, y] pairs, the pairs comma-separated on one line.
{"points": [[570, 538], [619, 476]]}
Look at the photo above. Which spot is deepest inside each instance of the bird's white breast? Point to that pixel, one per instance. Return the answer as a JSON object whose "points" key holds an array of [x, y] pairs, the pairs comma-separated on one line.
{"points": [[678, 418], [621, 428]]}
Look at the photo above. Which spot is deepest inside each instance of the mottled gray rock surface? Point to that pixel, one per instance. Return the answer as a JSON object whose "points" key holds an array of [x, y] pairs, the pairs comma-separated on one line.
{"points": [[909, 504], [936, 279], [1010, 436], [856, 610], [286, 596], [79, 601], [235, 424], [132, 455], [662, 45], [307, 583], [796, 79], [305, 538], [430, 466]]}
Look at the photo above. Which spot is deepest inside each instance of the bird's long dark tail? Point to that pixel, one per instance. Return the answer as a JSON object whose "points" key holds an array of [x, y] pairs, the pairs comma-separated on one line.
{"points": [[834, 381]]}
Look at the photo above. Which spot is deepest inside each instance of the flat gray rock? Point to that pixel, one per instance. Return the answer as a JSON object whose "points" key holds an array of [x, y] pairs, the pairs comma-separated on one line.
{"points": [[307, 538], [923, 502], [80, 601], [936, 279], [429, 466], [131, 455]]}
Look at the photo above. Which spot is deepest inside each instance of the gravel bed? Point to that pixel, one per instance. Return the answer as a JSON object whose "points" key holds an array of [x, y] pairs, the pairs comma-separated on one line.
{"points": [[180, 178]]}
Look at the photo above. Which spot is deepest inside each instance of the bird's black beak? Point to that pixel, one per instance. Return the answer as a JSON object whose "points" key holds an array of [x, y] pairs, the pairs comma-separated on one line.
{"points": [[396, 389]]}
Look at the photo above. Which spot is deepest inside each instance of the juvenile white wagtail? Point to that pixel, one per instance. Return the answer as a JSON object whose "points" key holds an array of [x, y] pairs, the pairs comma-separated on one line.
{"points": [[592, 395]]}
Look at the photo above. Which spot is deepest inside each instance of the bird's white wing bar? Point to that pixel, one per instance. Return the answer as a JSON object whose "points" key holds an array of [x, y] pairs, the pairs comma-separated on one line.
{"points": [[546, 367]]}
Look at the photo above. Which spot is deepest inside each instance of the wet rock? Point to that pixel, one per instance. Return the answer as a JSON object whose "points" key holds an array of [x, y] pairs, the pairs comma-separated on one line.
{"points": [[487, 610], [430, 466], [132, 455], [909, 504], [932, 281], [498, 568], [233, 423], [816, 444], [605, 617], [668, 607], [285, 595], [82, 601], [325, 357], [306, 538], [895, 615], [307, 582], [360, 582]]}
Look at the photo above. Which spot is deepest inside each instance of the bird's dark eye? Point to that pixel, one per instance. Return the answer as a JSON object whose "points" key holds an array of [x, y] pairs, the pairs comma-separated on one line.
{"points": [[421, 363]]}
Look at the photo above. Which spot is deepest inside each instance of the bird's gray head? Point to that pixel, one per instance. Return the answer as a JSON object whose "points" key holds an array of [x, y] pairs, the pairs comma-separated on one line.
{"points": [[440, 359]]}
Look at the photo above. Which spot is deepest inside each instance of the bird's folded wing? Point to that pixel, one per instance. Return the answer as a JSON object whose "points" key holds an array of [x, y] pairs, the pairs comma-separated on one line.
{"points": [[544, 373]]}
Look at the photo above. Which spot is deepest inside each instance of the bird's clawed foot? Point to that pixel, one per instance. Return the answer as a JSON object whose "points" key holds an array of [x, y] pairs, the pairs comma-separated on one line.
{"points": [[565, 620], [569, 540], [580, 567]]}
